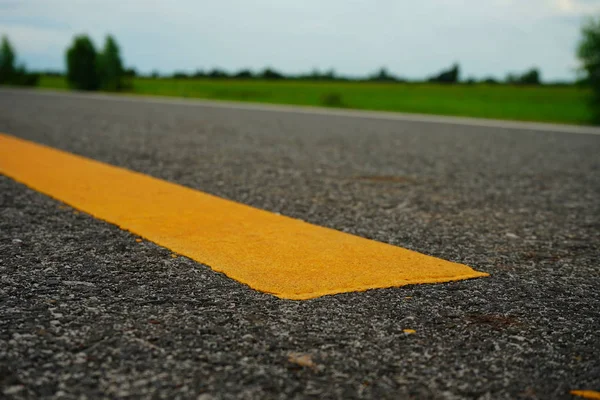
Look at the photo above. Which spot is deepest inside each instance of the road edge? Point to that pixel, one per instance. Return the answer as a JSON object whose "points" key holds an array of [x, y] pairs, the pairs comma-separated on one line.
{"points": [[312, 110]]}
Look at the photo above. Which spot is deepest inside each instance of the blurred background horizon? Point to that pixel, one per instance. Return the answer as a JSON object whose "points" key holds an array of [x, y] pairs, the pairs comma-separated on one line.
{"points": [[354, 38]]}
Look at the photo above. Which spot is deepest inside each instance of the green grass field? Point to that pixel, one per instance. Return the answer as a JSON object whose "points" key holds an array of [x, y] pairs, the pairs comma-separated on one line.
{"points": [[562, 104]]}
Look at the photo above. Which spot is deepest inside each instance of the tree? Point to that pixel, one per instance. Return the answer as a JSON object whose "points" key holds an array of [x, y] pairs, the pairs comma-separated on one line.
{"points": [[490, 80], [7, 61], [531, 77], [382, 76], [244, 74], [81, 64], [217, 73], [269, 73], [110, 66], [180, 75], [315, 75], [130, 73], [9, 72], [588, 52], [329, 75], [448, 76], [512, 78]]}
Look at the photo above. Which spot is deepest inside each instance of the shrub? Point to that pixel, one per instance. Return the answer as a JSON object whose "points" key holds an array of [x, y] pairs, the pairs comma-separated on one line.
{"points": [[332, 99], [24, 78], [490, 80]]}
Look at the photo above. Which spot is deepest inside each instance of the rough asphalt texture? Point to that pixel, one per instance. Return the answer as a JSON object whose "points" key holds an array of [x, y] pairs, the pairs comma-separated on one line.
{"points": [[87, 312]]}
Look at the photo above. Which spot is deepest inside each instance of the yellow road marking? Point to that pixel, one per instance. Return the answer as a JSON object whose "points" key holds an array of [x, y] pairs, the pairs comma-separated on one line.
{"points": [[275, 254], [586, 394]]}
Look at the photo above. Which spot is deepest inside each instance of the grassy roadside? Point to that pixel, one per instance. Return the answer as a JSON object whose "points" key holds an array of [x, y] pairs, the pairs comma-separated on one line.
{"points": [[564, 104]]}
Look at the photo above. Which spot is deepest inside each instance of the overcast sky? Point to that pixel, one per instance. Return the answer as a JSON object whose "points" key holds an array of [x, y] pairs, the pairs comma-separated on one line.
{"points": [[355, 37]]}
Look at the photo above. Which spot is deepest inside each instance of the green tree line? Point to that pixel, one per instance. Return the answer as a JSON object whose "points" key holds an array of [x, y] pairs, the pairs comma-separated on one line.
{"points": [[89, 69], [446, 76]]}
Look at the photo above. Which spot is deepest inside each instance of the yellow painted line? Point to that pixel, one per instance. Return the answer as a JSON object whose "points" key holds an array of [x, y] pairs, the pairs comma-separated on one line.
{"points": [[283, 256], [586, 394]]}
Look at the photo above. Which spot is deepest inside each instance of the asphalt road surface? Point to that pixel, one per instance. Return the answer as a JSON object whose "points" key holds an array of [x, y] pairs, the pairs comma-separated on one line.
{"points": [[87, 312]]}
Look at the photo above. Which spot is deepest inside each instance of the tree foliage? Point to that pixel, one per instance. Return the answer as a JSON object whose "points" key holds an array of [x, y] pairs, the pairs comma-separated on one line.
{"points": [[7, 61], [450, 75], [130, 73], [10, 73], [82, 73], [109, 66], [383, 76], [218, 73], [244, 74], [89, 70], [588, 52], [271, 74], [180, 75], [531, 77]]}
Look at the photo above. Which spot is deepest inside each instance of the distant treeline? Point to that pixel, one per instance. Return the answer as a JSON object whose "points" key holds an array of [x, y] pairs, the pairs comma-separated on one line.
{"points": [[530, 77], [89, 69], [451, 75]]}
